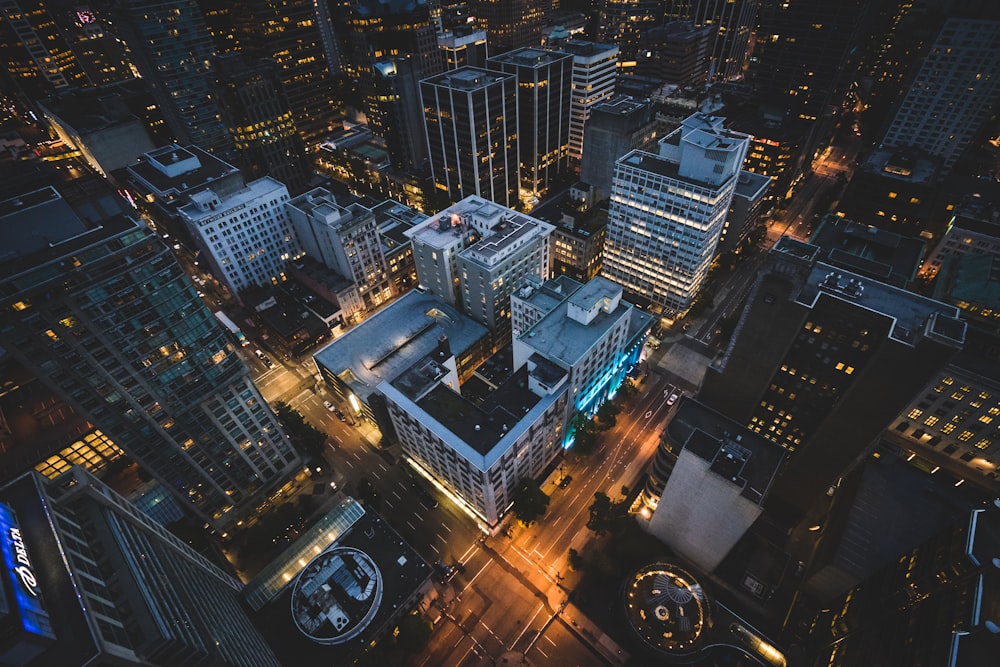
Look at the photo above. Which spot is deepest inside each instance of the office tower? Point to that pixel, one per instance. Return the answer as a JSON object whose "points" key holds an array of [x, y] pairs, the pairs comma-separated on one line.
{"points": [[801, 56], [245, 236], [261, 121], [179, 71], [97, 309], [394, 112], [708, 471], [587, 336], [933, 605], [668, 211], [345, 239], [953, 94], [952, 422], [822, 361], [491, 269], [616, 126], [544, 84], [731, 22], [288, 32], [36, 54], [394, 220], [95, 581], [676, 53], [510, 24], [470, 121], [623, 22], [745, 210], [463, 47], [594, 72], [375, 30]]}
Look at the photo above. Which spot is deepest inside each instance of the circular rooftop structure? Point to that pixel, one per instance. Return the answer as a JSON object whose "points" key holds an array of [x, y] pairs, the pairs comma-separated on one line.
{"points": [[336, 595], [667, 608]]}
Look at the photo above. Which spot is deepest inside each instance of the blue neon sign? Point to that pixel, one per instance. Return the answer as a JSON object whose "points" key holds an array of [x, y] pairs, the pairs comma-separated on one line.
{"points": [[34, 618]]}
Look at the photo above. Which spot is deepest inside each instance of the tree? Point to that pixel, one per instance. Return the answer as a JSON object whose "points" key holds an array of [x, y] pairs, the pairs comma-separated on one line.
{"points": [[605, 515], [414, 633], [309, 441], [530, 502], [626, 392], [586, 436], [607, 413], [576, 561]]}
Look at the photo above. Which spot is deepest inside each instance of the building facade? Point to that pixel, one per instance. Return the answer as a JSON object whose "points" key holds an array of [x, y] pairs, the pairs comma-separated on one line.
{"points": [[470, 121], [104, 584], [345, 239], [245, 236], [668, 211], [615, 127], [103, 315], [544, 82]]}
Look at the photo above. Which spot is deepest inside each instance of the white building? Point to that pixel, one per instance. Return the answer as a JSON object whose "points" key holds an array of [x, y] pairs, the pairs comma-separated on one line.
{"points": [[345, 239], [586, 333], [668, 210], [477, 452], [594, 74], [245, 235]]}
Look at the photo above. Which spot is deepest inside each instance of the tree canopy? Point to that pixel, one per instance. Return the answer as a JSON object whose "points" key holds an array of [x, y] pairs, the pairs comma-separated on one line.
{"points": [[530, 502]]}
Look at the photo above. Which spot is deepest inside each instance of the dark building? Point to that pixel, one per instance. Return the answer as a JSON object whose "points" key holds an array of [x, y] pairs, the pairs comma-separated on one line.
{"points": [[577, 248], [463, 47], [261, 122], [98, 582], [869, 251], [511, 24], [544, 84], [623, 22], [822, 361], [777, 145], [394, 111], [615, 128], [938, 604], [732, 22], [97, 309], [374, 30], [179, 70], [676, 53], [288, 32], [473, 151]]}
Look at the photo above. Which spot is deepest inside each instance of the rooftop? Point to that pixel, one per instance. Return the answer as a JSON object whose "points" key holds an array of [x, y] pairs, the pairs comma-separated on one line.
{"points": [[172, 169], [445, 228], [468, 79], [254, 190], [514, 232], [657, 165], [562, 338], [548, 295], [868, 250], [529, 57], [391, 341], [734, 452]]}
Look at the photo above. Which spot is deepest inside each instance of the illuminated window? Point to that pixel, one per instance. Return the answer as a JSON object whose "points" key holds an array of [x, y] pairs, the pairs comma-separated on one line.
{"points": [[930, 421], [958, 396], [986, 419], [984, 443], [915, 413], [892, 195], [965, 436], [948, 428]]}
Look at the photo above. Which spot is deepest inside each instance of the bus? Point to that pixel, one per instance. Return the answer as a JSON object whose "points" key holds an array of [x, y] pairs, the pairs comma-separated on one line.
{"points": [[232, 328]]}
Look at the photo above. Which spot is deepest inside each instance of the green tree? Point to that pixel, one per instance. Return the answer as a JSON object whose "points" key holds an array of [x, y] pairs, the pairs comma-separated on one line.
{"points": [[307, 439], [530, 502], [608, 414], [586, 434], [414, 633], [626, 392], [605, 515]]}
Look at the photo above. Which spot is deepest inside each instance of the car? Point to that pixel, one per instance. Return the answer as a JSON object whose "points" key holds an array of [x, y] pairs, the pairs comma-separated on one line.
{"points": [[673, 399], [329, 406], [564, 482], [341, 416], [260, 355]]}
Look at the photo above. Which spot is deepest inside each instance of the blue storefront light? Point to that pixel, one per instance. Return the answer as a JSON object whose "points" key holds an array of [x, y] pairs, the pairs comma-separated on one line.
{"points": [[27, 595]]}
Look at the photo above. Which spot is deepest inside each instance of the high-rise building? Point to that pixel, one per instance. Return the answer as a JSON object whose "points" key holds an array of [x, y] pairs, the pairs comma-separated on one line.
{"points": [[544, 85], [394, 112], [95, 581], [463, 47], [179, 70], [374, 30], [623, 22], [261, 121], [731, 21], [676, 53], [510, 24], [668, 211], [953, 94], [933, 605], [245, 236], [98, 310], [345, 239], [36, 53], [594, 72], [288, 32], [470, 120], [615, 127], [822, 360]]}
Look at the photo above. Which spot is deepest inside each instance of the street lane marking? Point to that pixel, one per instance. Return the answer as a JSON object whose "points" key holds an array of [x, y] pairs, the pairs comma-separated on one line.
{"points": [[435, 550], [398, 497], [349, 464], [337, 438], [440, 538], [549, 640], [468, 553], [445, 526], [527, 626], [411, 525], [471, 581], [384, 469], [542, 652]]}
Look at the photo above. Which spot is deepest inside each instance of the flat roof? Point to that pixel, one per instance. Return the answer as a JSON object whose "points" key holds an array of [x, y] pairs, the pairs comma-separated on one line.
{"points": [[209, 168], [506, 237], [391, 341], [657, 165], [252, 191], [549, 294], [867, 249], [559, 337], [529, 57], [468, 78], [734, 452]]}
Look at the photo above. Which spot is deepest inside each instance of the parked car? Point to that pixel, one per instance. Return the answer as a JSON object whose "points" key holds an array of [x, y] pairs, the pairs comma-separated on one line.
{"points": [[329, 406], [673, 399], [341, 416], [564, 482]]}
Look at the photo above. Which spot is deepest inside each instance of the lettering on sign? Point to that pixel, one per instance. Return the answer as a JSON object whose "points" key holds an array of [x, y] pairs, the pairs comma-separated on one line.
{"points": [[23, 569]]}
